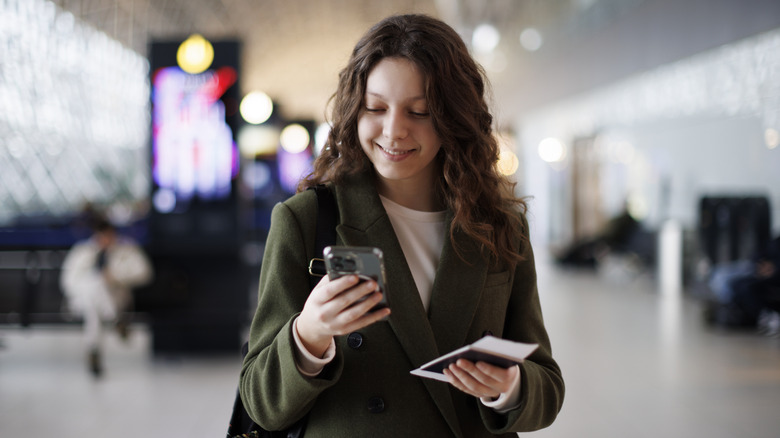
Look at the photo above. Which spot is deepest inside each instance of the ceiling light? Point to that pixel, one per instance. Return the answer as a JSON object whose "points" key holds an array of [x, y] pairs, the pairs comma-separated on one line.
{"points": [[195, 54], [552, 150], [485, 38], [531, 39]]}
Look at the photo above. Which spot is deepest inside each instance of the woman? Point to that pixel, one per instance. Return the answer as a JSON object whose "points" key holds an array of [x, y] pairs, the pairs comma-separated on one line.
{"points": [[411, 162]]}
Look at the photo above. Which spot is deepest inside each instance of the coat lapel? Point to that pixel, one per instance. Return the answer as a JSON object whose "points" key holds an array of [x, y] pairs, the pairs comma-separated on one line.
{"points": [[456, 292], [364, 222]]}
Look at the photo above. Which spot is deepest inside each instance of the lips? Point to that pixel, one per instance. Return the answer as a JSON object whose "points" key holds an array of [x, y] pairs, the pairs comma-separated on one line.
{"points": [[395, 153]]}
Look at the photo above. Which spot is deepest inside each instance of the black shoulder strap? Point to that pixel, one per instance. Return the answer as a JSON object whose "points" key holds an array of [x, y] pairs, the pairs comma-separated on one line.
{"points": [[241, 425], [327, 219]]}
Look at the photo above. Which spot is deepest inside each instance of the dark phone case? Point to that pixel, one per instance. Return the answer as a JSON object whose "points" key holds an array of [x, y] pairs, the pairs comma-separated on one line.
{"points": [[365, 262]]}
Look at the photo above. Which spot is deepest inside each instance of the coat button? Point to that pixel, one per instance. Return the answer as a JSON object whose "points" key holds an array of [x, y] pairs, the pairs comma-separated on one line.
{"points": [[355, 340], [376, 405]]}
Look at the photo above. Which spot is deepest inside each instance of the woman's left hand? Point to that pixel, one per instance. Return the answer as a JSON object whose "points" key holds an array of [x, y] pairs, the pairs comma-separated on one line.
{"points": [[481, 379]]}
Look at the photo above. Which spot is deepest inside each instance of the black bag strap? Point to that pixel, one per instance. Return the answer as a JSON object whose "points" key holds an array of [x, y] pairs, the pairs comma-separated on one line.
{"points": [[327, 219]]}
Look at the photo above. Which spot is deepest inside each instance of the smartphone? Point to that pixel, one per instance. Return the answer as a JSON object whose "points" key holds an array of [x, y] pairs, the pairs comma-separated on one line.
{"points": [[365, 262]]}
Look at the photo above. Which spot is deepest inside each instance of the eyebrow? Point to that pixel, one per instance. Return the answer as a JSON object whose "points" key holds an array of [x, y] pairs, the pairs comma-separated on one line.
{"points": [[380, 96]]}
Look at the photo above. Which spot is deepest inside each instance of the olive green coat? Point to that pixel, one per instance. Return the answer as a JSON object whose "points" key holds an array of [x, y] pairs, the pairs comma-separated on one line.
{"points": [[367, 390]]}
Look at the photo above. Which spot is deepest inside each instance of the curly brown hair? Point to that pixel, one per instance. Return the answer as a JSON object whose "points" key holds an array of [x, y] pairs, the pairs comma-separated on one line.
{"points": [[482, 200]]}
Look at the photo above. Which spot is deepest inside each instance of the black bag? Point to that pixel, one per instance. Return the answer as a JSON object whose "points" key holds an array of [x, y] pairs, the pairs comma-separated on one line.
{"points": [[241, 426]]}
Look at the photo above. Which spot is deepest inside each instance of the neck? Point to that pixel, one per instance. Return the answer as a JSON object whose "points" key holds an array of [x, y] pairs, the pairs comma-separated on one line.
{"points": [[410, 194]]}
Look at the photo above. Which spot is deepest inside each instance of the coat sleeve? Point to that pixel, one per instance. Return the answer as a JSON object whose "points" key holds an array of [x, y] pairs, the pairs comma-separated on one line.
{"points": [[274, 392], [541, 382]]}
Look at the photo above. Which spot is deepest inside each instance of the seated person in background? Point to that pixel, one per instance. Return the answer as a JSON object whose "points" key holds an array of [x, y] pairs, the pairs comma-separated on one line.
{"points": [[743, 289], [98, 276], [615, 235], [759, 290]]}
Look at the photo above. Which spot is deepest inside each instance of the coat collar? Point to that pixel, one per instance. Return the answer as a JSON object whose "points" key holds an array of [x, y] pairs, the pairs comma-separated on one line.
{"points": [[456, 290]]}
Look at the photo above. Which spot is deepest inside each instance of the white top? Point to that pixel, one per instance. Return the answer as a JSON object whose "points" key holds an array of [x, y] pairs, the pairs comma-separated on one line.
{"points": [[421, 234]]}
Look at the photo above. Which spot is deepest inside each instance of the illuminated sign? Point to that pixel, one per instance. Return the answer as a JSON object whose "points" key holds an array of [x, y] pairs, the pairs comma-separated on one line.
{"points": [[194, 154]]}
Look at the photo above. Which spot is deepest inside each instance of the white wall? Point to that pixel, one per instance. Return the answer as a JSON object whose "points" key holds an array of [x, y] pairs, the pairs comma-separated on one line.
{"points": [[692, 128], [709, 157]]}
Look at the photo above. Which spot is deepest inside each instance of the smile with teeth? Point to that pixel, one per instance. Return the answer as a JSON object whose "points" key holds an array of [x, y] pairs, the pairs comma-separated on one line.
{"points": [[396, 152]]}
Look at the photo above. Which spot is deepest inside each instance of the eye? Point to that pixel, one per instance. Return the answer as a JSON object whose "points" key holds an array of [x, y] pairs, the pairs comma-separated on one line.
{"points": [[374, 110], [419, 114]]}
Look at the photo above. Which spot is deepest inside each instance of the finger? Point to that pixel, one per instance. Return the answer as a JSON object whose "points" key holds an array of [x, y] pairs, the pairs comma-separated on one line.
{"points": [[327, 289], [366, 320], [496, 372], [483, 379], [353, 296], [498, 378], [358, 313], [472, 369], [464, 373], [487, 374], [458, 380], [344, 312], [318, 307]]}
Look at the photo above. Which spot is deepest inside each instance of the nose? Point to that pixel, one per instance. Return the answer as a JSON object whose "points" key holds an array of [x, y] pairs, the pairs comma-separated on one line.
{"points": [[394, 125]]}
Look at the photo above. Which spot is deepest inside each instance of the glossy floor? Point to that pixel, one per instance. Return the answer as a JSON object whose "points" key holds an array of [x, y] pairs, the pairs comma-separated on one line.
{"points": [[637, 363]]}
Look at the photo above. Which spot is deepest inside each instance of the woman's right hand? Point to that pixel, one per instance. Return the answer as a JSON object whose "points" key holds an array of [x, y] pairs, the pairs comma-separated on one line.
{"points": [[334, 308]]}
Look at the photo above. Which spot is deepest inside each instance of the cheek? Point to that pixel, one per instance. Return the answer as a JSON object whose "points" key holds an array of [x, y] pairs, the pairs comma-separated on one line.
{"points": [[437, 146], [364, 130], [427, 134], [434, 142], [364, 136], [368, 130]]}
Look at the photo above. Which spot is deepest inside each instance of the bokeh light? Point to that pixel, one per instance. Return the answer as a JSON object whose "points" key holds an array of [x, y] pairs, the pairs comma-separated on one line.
{"points": [[508, 162], [295, 138], [256, 107], [195, 54], [531, 39], [772, 138], [320, 137], [485, 38], [254, 140], [552, 150]]}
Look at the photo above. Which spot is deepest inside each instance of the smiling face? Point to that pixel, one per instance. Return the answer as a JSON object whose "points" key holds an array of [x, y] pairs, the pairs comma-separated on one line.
{"points": [[395, 127]]}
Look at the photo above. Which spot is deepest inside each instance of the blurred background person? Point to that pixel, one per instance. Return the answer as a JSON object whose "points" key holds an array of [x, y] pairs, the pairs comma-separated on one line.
{"points": [[746, 292], [615, 236], [98, 277], [758, 294]]}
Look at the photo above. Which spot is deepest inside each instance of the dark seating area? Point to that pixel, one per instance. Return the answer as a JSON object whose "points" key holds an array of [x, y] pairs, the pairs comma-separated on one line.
{"points": [[734, 238]]}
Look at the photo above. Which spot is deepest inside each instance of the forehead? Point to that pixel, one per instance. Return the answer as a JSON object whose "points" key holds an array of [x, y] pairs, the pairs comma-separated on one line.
{"points": [[395, 78]]}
